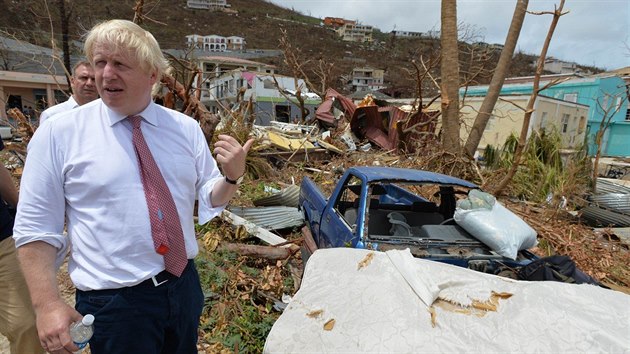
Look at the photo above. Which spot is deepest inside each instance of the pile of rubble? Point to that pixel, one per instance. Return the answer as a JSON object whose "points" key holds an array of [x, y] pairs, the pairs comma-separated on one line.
{"points": [[340, 126]]}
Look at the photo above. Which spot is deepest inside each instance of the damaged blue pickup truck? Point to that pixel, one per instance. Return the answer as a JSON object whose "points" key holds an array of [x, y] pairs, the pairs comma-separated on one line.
{"points": [[384, 208]]}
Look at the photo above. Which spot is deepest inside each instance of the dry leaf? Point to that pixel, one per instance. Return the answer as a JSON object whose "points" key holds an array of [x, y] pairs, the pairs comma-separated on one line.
{"points": [[210, 241], [315, 313], [433, 316], [329, 325], [502, 295], [366, 260], [486, 306]]}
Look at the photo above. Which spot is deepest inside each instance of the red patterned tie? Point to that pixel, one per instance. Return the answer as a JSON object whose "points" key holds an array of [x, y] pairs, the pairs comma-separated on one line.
{"points": [[166, 229]]}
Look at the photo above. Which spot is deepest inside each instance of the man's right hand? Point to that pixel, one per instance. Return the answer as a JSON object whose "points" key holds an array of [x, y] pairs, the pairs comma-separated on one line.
{"points": [[53, 326]]}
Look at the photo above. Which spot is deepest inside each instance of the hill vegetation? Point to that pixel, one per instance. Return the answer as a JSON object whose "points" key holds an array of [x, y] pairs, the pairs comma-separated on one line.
{"points": [[260, 23]]}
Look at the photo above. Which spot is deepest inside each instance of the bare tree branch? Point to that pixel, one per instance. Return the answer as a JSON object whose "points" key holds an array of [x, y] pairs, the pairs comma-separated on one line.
{"points": [[530, 104]]}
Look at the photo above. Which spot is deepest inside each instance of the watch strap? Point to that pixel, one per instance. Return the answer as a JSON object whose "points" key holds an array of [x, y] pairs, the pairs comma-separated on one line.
{"points": [[235, 182]]}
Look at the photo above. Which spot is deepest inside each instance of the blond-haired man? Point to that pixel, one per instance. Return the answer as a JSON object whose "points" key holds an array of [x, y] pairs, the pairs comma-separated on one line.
{"points": [[96, 172]]}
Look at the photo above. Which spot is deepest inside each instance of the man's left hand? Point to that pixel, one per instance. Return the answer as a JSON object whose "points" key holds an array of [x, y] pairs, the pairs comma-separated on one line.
{"points": [[231, 155]]}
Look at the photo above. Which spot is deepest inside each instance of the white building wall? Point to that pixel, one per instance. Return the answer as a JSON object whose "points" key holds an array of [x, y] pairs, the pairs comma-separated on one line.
{"points": [[206, 4]]}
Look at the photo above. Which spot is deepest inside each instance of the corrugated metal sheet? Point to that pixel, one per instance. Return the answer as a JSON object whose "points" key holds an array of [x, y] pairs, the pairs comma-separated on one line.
{"points": [[333, 98], [287, 197], [271, 218], [613, 201], [603, 217], [605, 186]]}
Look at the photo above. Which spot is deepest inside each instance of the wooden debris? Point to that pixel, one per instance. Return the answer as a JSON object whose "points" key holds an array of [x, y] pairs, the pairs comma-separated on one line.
{"points": [[268, 252], [365, 261]]}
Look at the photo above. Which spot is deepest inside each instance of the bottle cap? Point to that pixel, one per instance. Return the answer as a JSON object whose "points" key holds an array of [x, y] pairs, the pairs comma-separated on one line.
{"points": [[88, 320]]}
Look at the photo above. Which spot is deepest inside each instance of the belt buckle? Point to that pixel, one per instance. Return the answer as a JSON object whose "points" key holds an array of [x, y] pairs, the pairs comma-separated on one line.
{"points": [[155, 281]]}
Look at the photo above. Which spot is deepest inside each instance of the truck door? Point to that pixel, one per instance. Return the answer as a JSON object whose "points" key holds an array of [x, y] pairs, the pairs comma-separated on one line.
{"points": [[341, 220]]}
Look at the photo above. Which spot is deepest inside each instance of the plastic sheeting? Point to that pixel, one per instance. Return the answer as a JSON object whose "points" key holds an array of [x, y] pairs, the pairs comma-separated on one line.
{"points": [[354, 300]]}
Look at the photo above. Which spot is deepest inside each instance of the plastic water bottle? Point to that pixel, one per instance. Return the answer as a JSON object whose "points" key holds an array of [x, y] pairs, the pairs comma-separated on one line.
{"points": [[82, 331]]}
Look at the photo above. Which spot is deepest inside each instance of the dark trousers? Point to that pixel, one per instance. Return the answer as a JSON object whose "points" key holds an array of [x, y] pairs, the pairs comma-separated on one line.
{"points": [[145, 318]]}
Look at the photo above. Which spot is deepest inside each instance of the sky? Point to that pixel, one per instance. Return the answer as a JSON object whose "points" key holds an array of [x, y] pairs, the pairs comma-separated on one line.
{"points": [[593, 32]]}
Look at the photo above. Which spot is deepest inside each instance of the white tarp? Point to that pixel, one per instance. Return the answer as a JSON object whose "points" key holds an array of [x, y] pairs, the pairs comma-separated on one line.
{"points": [[359, 301]]}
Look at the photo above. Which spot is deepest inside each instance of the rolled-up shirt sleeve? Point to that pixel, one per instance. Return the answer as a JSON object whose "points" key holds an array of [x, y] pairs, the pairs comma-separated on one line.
{"points": [[41, 206], [208, 175]]}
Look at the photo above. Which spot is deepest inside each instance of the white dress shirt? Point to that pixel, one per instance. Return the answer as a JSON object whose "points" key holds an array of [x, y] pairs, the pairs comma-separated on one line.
{"points": [[58, 108], [82, 164]]}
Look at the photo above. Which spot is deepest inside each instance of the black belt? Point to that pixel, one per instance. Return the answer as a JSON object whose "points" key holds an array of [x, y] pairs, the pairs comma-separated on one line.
{"points": [[163, 277]]}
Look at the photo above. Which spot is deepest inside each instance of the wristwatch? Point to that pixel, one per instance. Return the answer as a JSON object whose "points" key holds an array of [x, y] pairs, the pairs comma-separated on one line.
{"points": [[237, 182]]}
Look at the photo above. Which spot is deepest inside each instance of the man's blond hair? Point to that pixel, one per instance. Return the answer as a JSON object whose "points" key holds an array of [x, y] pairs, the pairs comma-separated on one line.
{"points": [[127, 37]]}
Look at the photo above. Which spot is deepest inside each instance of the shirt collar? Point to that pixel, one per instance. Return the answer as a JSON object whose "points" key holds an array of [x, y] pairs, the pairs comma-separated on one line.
{"points": [[149, 115], [73, 102]]}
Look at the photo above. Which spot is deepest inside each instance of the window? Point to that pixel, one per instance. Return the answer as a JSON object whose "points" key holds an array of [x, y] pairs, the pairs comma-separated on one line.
{"points": [[347, 204], [628, 114], [565, 122], [543, 120], [582, 125], [283, 113], [571, 97], [269, 84]]}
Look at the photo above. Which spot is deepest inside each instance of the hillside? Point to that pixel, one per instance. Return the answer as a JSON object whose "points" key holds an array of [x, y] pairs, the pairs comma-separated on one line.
{"points": [[260, 23]]}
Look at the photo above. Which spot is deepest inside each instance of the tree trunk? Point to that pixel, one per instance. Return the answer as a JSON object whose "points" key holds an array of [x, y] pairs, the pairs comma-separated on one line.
{"points": [[64, 35], [497, 79], [598, 142], [530, 104], [268, 252], [450, 78]]}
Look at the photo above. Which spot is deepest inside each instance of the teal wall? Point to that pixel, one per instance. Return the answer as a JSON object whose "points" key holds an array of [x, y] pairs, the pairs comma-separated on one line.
{"points": [[619, 139], [589, 92]]}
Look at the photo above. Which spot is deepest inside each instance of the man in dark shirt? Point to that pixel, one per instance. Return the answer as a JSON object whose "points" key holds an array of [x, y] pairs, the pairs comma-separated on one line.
{"points": [[17, 319]]}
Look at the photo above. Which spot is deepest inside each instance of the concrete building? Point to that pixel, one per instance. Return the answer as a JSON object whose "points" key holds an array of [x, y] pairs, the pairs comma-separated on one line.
{"points": [[353, 31], [272, 102], [235, 43], [558, 66], [224, 78], [407, 34], [349, 30], [367, 79], [606, 98], [334, 22], [29, 77], [215, 43], [213, 67], [207, 4], [568, 119]]}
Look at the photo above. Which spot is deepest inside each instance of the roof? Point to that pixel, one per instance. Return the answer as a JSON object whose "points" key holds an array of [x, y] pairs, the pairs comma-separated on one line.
{"points": [[24, 57], [625, 71], [232, 60], [527, 87], [375, 174], [376, 94]]}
